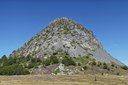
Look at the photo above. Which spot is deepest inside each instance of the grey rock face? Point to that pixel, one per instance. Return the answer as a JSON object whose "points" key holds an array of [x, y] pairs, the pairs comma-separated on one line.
{"points": [[67, 35], [61, 70]]}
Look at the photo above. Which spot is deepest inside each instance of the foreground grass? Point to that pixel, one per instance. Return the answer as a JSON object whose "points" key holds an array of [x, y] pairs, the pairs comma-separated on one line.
{"points": [[64, 80]]}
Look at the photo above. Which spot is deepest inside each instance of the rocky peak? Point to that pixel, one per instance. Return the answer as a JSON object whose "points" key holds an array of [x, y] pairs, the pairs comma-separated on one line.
{"points": [[61, 21], [66, 35]]}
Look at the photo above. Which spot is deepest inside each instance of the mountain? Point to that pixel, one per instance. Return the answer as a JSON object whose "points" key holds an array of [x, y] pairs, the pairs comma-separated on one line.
{"points": [[69, 36], [64, 47]]}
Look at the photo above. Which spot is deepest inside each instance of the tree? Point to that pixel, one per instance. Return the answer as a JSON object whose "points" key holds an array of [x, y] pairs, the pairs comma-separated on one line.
{"points": [[93, 63], [46, 62], [124, 67], [13, 70], [54, 60], [3, 59], [10, 61], [35, 60], [105, 66], [28, 57], [67, 60], [31, 65], [51, 60]]}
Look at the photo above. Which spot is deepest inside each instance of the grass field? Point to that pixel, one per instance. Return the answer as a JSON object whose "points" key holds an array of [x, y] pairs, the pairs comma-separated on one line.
{"points": [[64, 80]]}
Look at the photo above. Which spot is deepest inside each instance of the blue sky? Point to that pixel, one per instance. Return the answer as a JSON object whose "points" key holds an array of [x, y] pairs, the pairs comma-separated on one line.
{"points": [[108, 19]]}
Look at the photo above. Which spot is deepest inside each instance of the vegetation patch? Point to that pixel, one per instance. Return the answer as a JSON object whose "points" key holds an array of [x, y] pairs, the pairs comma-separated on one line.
{"points": [[124, 67]]}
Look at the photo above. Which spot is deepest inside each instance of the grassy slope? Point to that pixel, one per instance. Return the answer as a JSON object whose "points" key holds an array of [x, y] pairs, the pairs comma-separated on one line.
{"points": [[64, 80]]}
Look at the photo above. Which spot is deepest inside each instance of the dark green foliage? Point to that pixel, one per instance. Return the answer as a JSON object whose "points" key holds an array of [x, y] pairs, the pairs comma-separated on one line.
{"points": [[85, 67], [17, 65], [30, 65], [55, 53], [13, 70], [87, 57], [108, 69], [46, 62], [112, 65], [117, 73], [79, 64], [93, 63], [10, 61], [105, 66], [21, 59], [124, 67], [28, 57], [51, 60], [68, 61], [99, 64], [34, 60], [66, 29], [3, 59], [54, 60]]}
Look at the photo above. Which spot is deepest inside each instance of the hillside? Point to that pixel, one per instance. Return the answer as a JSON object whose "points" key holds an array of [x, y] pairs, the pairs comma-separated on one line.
{"points": [[69, 36], [63, 47]]}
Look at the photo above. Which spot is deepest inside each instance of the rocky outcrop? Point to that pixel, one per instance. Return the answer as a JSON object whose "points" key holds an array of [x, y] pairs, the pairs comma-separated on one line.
{"points": [[67, 35]]}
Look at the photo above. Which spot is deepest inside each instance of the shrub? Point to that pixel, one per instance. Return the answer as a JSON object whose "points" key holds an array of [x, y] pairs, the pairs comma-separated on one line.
{"points": [[87, 57], [13, 70], [124, 67], [99, 64], [56, 71], [3, 59], [10, 61], [117, 73], [54, 60], [28, 58], [34, 60], [85, 67], [113, 64], [94, 63], [30, 65], [51, 60], [79, 64], [67, 60], [105, 66], [46, 62], [55, 53]]}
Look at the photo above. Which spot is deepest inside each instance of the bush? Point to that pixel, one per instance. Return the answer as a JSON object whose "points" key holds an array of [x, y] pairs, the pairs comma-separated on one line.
{"points": [[105, 66], [34, 60], [99, 64], [10, 61], [51, 60], [79, 64], [13, 70], [124, 67], [54, 60], [3, 59], [46, 62], [85, 67], [31, 65], [93, 63], [117, 73], [68, 61]]}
